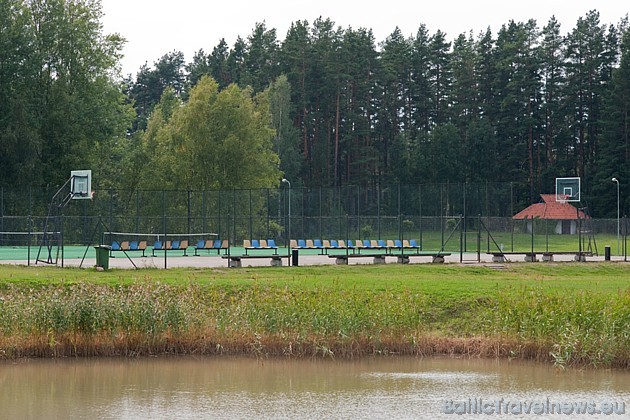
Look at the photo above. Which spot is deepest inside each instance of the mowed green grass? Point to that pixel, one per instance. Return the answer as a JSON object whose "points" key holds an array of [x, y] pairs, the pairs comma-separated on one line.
{"points": [[450, 280]]}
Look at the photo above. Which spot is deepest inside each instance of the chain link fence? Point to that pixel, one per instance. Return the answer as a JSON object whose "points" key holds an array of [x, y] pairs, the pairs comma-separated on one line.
{"points": [[464, 217]]}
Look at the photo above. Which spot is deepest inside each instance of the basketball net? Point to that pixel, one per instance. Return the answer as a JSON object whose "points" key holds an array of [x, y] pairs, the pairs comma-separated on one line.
{"points": [[562, 198]]}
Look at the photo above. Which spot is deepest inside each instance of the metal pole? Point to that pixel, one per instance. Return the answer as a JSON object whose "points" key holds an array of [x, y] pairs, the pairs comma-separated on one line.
{"points": [[378, 210], [615, 180], [188, 204], [286, 181], [400, 219], [164, 228], [251, 222], [625, 238]]}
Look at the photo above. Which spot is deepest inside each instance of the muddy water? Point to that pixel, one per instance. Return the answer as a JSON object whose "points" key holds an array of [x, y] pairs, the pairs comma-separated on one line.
{"points": [[186, 388]]}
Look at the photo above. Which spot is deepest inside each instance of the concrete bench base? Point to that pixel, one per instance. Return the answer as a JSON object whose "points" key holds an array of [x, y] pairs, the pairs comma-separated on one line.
{"points": [[237, 260], [403, 259], [438, 259]]}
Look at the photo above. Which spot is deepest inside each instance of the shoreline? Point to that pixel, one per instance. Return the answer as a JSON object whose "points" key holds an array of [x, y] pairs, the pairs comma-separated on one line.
{"points": [[260, 347]]}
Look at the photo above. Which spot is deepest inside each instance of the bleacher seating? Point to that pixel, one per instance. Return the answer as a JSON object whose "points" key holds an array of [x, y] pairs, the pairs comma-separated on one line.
{"points": [[210, 244]]}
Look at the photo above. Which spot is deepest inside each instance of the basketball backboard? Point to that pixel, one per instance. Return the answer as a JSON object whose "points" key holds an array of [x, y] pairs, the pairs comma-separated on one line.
{"points": [[568, 189], [81, 185]]}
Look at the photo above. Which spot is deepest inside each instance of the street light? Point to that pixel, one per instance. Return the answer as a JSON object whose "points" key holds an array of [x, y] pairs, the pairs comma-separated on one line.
{"points": [[286, 181], [618, 247]]}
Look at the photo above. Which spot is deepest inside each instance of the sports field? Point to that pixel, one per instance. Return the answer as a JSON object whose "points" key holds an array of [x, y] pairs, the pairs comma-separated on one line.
{"points": [[431, 242]]}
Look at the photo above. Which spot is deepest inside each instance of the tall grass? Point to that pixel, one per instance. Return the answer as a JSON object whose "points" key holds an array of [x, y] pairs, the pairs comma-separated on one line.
{"points": [[581, 327], [331, 316]]}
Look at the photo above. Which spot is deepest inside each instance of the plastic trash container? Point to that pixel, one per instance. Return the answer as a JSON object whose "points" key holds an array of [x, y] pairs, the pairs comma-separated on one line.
{"points": [[102, 256]]}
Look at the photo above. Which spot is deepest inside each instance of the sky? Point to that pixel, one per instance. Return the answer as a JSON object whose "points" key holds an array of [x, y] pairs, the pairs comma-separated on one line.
{"points": [[153, 28]]}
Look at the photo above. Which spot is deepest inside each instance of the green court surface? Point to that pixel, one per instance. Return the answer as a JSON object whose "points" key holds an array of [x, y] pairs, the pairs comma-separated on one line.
{"points": [[17, 253], [70, 252]]}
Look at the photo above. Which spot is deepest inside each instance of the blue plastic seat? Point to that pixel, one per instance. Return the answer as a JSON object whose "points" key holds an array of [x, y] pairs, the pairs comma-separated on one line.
{"points": [[115, 246], [334, 243], [317, 243], [381, 243], [272, 244], [133, 246], [255, 243], [301, 243]]}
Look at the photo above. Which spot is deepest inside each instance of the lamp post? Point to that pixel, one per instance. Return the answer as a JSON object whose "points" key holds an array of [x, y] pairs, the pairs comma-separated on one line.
{"points": [[286, 181], [615, 180]]}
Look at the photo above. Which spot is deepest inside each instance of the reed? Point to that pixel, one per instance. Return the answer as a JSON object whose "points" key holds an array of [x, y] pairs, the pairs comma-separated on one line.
{"points": [[327, 313]]}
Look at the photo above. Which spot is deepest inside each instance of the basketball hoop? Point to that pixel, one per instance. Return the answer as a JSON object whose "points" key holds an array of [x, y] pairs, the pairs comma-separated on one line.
{"points": [[568, 190]]}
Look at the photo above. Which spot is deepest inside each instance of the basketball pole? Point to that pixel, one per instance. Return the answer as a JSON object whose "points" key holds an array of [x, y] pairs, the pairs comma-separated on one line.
{"points": [[615, 180]]}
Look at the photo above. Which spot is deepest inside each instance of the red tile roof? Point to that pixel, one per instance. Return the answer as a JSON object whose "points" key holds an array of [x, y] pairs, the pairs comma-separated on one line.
{"points": [[550, 209]]}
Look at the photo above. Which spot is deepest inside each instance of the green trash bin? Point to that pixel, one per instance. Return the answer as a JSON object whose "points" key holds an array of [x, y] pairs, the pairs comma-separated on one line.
{"points": [[102, 256]]}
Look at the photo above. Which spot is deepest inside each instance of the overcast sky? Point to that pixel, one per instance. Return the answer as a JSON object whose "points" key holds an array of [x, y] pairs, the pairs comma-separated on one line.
{"points": [[155, 27]]}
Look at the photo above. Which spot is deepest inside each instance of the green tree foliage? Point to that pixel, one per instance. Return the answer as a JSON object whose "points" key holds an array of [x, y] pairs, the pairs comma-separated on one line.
{"points": [[61, 108], [151, 82], [524, 105], [286, 141], [215, 140], [613, 158]]}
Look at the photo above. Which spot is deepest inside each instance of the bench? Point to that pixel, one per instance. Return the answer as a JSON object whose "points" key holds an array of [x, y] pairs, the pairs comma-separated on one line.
{"points": [[318, 244], [546, 255], [356, 246], [235, 261], [436, 257], [261, 244], [176, 245], [342, 259], [125, 246], [209, 244]]}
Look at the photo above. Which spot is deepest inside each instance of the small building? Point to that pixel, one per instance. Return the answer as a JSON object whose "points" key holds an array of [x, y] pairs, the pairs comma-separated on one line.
{"points": [[565, 214]]}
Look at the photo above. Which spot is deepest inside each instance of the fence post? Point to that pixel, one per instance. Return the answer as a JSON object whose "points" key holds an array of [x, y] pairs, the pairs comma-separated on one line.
{"points": [[269, 214], [479, 238], [319, 199], [532, 238], [378, 210], [442, 214], [358, 211], [234, 215], [420, 209], [251, 222], [189, 212], [625, 238], [464, 227], [203, 212], [137, 211], [400, 221], [461, 240], [164, 227], [512, 214]]}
